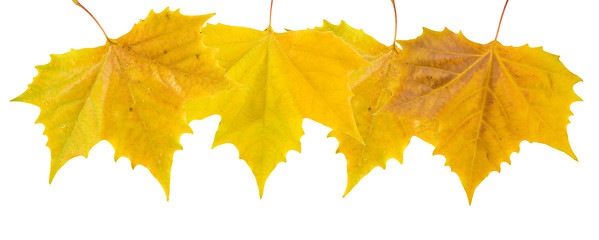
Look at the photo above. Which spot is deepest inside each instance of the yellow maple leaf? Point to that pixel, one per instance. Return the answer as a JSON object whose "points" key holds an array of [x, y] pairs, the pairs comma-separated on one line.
{"points": [[285, 78], [385, 135], [487, 99], [130, 92]]}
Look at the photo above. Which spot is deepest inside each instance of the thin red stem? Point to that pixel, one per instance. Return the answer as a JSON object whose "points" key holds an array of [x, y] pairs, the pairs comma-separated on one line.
{"points": [[501, 19], [79, 4], [395, 11], [270, 16]]}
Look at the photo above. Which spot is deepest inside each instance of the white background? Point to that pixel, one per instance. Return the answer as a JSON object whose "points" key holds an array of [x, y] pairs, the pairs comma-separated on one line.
{"points": [[543, 195]]}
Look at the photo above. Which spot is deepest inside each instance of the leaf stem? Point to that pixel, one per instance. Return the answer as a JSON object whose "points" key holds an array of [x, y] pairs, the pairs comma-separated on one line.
{"points": [[501, 19], [79, 4], [394, 11], [270, 16]]}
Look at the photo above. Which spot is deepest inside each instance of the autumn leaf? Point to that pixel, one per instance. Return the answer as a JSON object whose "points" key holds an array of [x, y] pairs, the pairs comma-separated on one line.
{"points": [[130, 92], [285, 78], [385, 135], [487, 99]]}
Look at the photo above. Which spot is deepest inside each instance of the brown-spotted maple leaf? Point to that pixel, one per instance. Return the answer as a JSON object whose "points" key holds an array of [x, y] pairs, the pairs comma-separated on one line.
{"points": [[385, 135], [130, 92], [487, 99], [285, 78]]}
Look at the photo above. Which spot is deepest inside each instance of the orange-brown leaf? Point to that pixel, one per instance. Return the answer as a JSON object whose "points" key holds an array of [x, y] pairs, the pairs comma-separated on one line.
{"points": [[487, 99]]}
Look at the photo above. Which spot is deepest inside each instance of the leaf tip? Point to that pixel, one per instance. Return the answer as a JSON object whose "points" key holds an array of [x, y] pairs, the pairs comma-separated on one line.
{"points": [[345, 194], [570, 153], [331, 134], [53, 171], [17, 99], [166, 188], [260, 190], [260, 177], [51, 178], [470, 194], [350, 186], [426, 30]]}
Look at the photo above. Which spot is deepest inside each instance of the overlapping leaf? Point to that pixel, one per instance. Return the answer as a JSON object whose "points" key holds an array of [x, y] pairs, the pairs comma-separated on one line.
{"points": [[487, 99], [130, 92], [385, 135], [475, 102], [285, 78]]}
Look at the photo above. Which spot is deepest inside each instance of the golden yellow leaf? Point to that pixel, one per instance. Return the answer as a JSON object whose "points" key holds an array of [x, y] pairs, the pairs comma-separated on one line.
{"points": [[487, 99], [285, 78], [130, 92], [385, 135]]}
